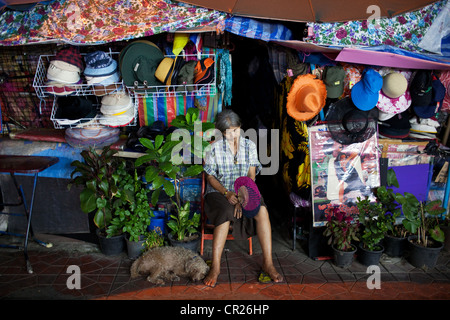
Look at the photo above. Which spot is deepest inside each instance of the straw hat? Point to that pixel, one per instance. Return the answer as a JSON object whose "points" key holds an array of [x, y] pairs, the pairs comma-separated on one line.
{"points": [[306, 97]]}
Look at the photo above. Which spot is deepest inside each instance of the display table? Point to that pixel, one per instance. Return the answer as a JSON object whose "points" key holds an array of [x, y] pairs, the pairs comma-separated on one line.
{"points": [[13, 164]]}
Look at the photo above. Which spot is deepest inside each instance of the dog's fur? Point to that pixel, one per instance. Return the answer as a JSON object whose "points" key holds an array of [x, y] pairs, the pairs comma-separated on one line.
{"points": [[168, 264]]}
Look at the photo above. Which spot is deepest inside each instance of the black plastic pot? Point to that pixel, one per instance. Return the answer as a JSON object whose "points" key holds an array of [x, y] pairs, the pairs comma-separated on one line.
{"points": [[343, 259], [395, 247], [446, 230], [191, 245], [110, 246], [423, 257], [135, 248], [368, 257]]}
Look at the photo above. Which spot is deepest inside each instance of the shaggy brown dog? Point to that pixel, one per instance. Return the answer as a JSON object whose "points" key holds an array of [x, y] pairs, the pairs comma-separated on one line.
{"points": [[169, 263]]}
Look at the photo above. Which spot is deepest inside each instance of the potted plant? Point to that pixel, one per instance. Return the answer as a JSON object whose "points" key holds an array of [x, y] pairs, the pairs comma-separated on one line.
{"points": [[133, 213], [445, 227], [342, 229], [421, 220], [395, 238], [153, 239], [99, 176], [184, 228], [166, 168], [373, 220]]}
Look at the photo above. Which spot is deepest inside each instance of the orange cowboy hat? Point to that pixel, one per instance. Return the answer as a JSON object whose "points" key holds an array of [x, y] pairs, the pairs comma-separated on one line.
{"points": [[306, 97]]}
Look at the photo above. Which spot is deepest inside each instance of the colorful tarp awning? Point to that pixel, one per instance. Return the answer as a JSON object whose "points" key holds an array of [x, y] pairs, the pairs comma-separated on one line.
{"points": [[100, 21]]}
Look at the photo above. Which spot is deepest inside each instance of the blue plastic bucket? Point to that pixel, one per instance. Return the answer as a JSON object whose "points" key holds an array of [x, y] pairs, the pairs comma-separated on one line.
{"points": [[159, 220]]}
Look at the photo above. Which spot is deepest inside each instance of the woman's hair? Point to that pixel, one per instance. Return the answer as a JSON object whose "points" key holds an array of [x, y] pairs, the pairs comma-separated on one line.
{"points": [[227, 119]]}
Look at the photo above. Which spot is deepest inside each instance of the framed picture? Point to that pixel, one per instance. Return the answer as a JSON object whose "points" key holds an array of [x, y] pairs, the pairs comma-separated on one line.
{"points": [[341, 173]]}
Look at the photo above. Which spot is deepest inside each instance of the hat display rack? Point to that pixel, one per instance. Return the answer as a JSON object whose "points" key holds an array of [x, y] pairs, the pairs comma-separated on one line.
{"points": [[167, 88], [45, 88]]}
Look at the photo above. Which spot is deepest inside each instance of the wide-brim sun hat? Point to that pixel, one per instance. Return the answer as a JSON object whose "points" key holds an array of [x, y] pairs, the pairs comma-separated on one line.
{"points": [[248, 195], [138, 62], [348, 124], [365, 93], [394, 85], [393, 105], [306, 98]]}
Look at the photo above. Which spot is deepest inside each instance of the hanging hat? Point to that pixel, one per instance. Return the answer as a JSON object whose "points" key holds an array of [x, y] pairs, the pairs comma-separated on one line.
{"points": [[348, 124], [390, 106], [397, 127], [333, 77], [306, 97], [438, 95], [421, 88], [186, 76], [445, 80], [248, 195], [99, 64], [365, 93], [70, 55], [394, 85], [204, 71], [138, 62]]}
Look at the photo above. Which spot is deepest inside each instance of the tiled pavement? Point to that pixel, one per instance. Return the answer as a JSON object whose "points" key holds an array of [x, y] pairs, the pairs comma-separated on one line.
{"points": [[104, 277]]}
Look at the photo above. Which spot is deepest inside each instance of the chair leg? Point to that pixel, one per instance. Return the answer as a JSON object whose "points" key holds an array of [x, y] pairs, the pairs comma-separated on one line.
{"points": [[202, 243], [250, 246]]}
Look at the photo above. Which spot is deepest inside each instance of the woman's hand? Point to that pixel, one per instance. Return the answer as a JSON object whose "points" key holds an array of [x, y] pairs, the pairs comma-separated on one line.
{"points": [[238, 211], [232, 197]]}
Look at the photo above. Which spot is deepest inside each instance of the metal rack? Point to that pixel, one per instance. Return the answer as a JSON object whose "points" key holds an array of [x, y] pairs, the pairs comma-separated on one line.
{"points": [[43, 91], [190, 90]]}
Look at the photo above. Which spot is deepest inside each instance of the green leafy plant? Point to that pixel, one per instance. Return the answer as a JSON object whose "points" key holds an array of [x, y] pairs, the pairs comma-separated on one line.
{"points": [[154, 239], [161, 165], [132, 210], [99, 174], [393, 212], [374, 221], [421, 218], [341, 229], [181, 224], [197, 130]]}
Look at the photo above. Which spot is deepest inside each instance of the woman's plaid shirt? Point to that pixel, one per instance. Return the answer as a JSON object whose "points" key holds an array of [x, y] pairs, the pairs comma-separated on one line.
{"points": [[220, 162]]}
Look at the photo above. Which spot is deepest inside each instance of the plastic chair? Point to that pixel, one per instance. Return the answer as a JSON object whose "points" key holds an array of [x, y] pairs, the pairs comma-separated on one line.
{"points": [[207, 229]]}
